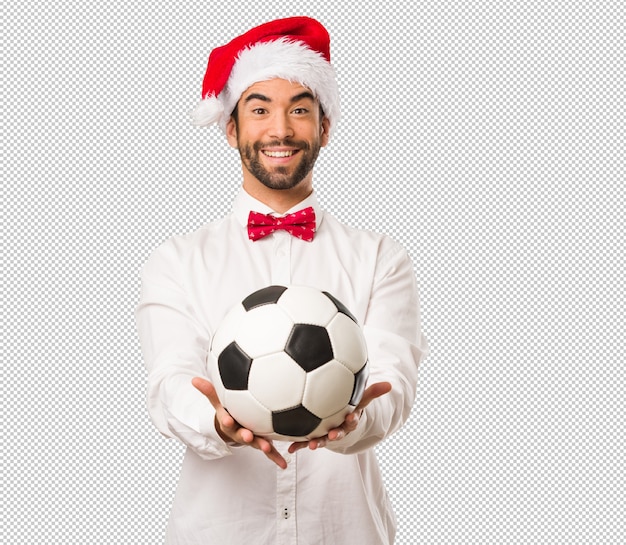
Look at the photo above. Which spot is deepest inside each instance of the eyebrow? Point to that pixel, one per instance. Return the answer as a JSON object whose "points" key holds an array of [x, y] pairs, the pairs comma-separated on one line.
{"points": [[263, 98]]}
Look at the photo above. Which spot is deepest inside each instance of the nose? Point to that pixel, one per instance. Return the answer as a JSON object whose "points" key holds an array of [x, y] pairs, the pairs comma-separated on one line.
{"points": [[280, 127]]}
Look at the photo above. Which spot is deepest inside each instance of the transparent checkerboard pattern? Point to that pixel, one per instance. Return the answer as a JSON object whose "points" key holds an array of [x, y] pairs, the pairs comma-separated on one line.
{"points": [[483, 136]]}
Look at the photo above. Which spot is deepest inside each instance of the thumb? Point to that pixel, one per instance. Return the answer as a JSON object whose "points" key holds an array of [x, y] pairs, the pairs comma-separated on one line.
{"points": [[205, 387], [372, 392]]}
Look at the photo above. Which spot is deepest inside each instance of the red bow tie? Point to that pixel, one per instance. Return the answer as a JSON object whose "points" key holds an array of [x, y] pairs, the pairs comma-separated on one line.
{"points": [[300, 224]]}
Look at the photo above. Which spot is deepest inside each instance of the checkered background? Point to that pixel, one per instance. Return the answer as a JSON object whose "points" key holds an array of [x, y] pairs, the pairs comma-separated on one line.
{"points": [[487, 137]]}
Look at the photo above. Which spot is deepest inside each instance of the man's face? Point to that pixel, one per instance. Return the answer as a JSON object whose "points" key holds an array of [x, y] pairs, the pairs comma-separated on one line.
{"points": [[279, 133]]}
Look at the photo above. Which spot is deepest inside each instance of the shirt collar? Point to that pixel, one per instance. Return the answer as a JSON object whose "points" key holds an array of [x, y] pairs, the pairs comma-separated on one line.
{"points": [[244, 203]]}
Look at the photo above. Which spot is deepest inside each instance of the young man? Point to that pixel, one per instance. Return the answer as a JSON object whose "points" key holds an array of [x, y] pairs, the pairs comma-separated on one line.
{"points": [[274, 93]]}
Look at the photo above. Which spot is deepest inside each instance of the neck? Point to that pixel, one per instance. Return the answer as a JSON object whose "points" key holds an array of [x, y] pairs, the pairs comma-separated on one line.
{"points": [[279, 200]]}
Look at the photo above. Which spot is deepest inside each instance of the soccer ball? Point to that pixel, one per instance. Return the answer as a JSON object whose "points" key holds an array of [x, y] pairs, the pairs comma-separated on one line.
{"points": [[289, 363]]}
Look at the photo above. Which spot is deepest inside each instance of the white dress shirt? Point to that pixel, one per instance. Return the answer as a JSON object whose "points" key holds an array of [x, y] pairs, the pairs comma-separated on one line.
{"points": [[231, 495]]}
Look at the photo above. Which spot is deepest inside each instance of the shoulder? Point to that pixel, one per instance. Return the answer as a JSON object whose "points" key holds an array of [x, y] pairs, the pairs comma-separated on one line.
{"points": [[178, 249], [365, 240]]}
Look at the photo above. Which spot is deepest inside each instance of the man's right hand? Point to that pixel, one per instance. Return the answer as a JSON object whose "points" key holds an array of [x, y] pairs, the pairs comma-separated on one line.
{"points": [[230, 430]]}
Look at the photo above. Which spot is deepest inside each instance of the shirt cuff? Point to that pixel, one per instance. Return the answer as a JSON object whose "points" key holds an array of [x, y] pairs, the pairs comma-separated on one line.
{"points": [[191, 418]]}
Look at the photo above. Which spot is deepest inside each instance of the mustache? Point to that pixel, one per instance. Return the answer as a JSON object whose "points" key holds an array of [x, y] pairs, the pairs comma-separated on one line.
{"points": [[299, 144]]}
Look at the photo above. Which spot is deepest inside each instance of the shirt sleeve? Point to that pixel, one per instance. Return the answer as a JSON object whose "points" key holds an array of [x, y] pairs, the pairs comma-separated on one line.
{"points": [[175, 346], [395, 345]]}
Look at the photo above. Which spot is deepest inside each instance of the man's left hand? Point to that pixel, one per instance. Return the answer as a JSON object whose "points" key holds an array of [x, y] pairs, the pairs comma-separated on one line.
{"points": [[349, 424]]}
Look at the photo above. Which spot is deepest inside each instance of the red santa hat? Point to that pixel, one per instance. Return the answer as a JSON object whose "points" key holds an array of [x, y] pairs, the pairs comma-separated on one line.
{"points": [[296, 49]]}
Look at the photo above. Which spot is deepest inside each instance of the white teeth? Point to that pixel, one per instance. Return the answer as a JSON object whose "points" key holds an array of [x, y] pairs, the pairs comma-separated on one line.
{"points": [[279, 153]]}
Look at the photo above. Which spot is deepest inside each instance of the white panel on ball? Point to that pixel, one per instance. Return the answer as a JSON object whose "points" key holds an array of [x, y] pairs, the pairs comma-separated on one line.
{"points": [[328, 389], [277, 381], [263, 330], [306, 305], [250, 413], [348, 342], [226, 332]]}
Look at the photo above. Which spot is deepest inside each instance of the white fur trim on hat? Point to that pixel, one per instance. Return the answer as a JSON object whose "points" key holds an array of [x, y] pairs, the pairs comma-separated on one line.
{"points": [[285, 59], [208, 111]]}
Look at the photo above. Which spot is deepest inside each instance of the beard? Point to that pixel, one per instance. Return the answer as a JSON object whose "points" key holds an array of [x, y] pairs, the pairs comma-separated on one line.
{"points": [[280, 178]]}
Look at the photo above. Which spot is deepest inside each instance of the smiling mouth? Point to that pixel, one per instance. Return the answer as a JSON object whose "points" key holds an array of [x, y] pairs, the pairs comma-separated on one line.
{"points": [[279, 154]]}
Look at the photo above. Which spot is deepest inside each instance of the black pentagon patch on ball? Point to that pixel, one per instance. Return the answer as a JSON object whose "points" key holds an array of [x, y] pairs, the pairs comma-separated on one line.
{"points": [[234, 365], [264, 296], [296, 422], [309, 346], [359, 385], [340, 306]]}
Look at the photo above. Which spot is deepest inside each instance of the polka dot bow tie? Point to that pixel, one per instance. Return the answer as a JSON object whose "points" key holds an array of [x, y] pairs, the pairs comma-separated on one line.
{"points": [[300, 224]]}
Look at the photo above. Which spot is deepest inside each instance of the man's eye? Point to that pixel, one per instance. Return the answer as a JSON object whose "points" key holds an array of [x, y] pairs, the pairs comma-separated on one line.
{"points": [[259, 111], [300, 111]]}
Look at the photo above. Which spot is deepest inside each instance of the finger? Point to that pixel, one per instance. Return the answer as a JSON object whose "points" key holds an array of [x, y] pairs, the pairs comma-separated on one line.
{"points": [[294, 447], [268, 448], [312, 444], [275, 457], [339, 433], [349, 425], [228, 423], [352, 420], [320, 442], [246, 435]]}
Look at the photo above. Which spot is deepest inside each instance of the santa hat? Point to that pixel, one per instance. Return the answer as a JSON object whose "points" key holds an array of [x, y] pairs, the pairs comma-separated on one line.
{"points": [[296, 49]]}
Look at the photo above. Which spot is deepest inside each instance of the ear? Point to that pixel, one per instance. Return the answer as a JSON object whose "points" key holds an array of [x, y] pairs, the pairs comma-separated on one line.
{"points": [[231, 132], [325, 132]]}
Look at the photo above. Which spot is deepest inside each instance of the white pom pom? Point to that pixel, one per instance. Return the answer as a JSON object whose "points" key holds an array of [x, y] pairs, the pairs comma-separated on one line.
{"points": [[207, 112]]}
